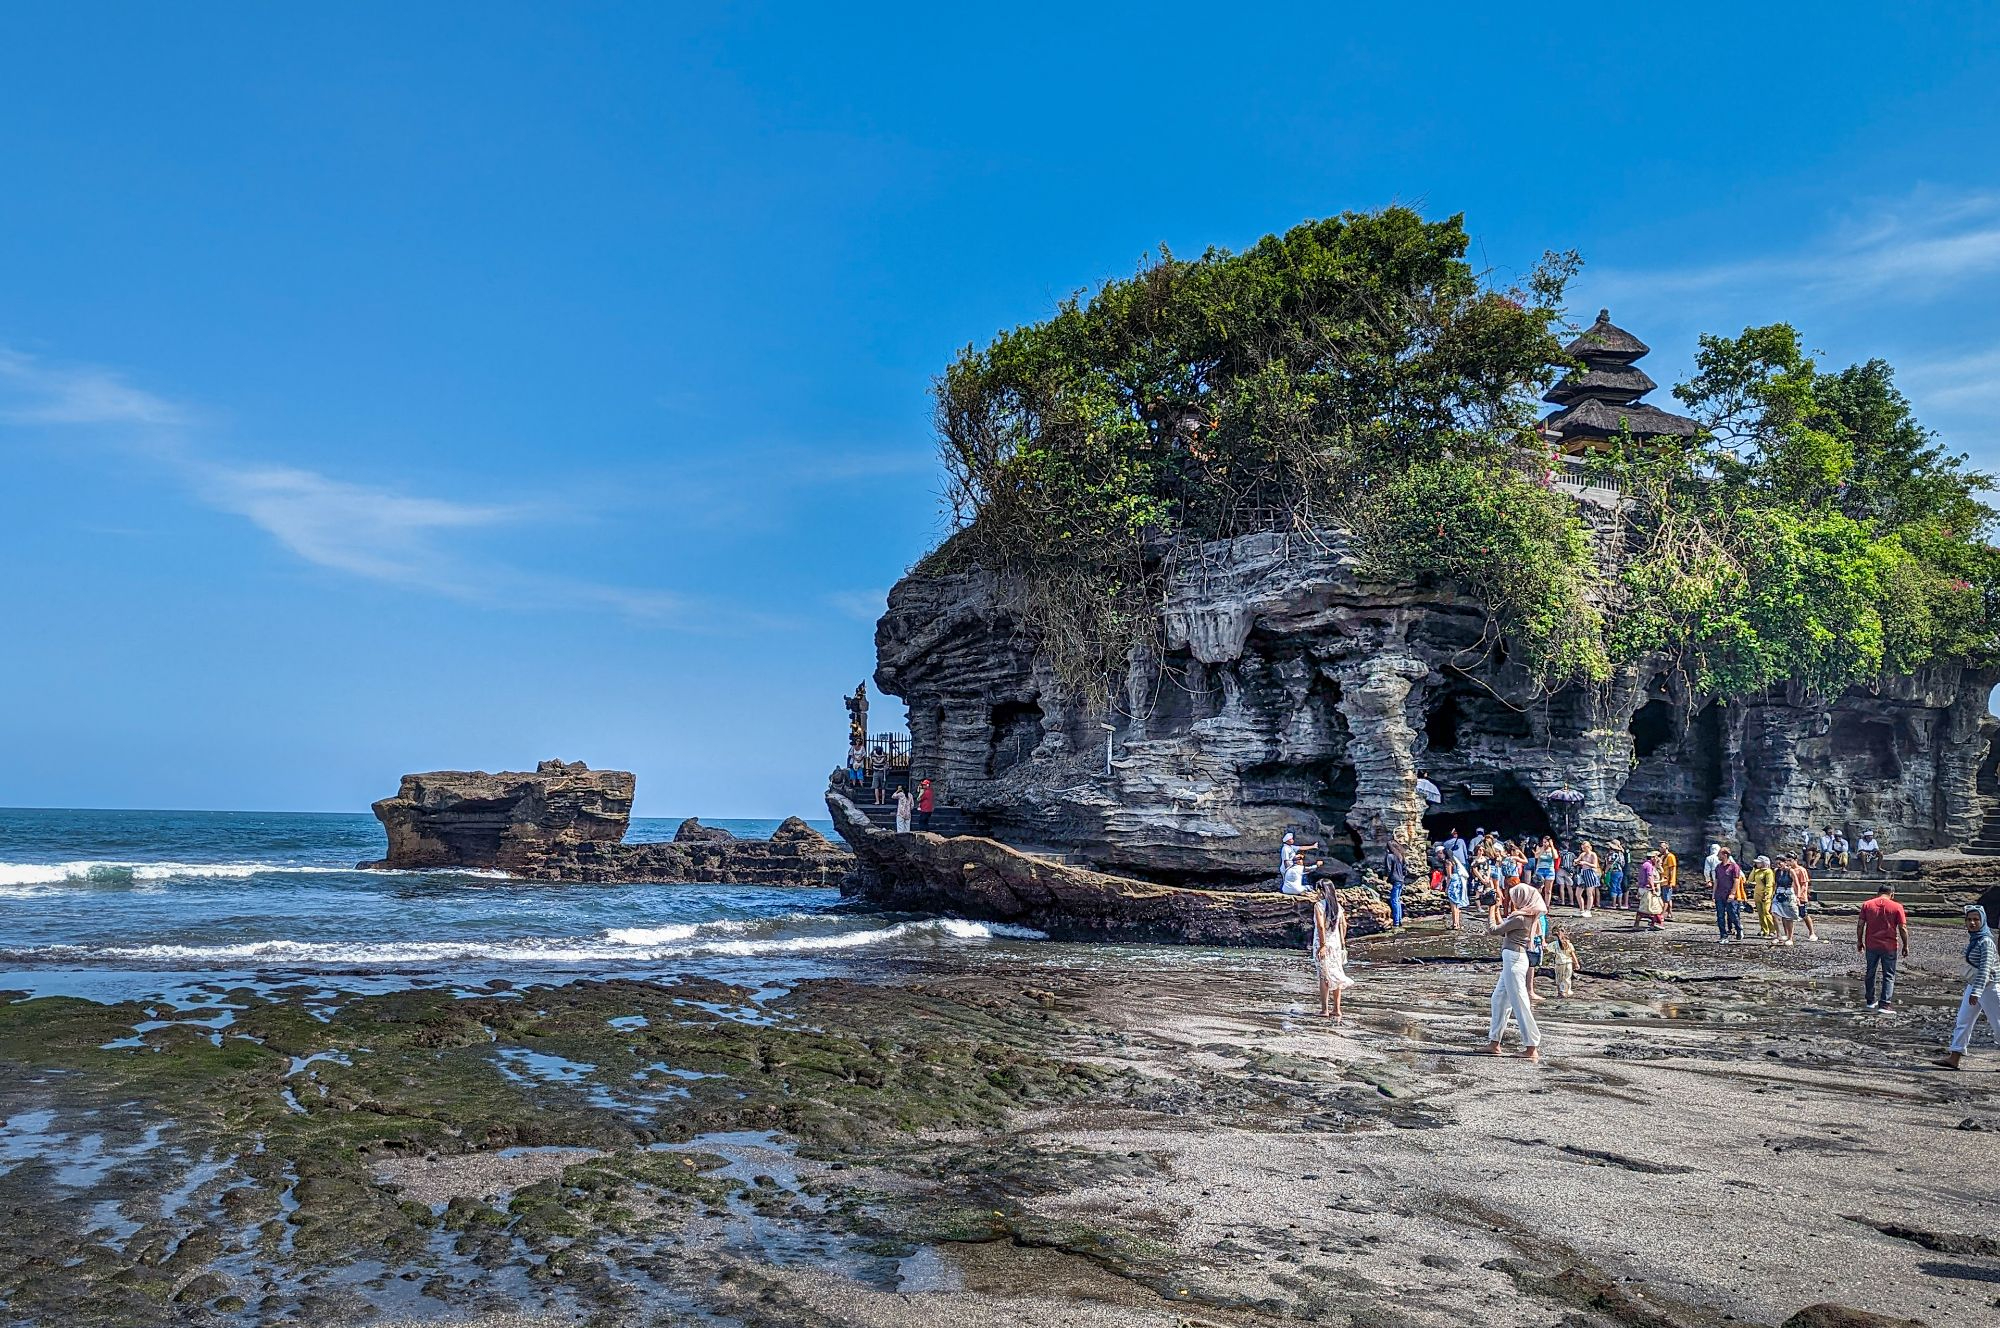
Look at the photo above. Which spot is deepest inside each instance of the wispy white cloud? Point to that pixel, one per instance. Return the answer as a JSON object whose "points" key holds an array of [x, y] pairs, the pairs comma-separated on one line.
{"points": [[1922, 247], [1966, 382], [354, 528], [860, 605], [33, 391], [372, 531]]}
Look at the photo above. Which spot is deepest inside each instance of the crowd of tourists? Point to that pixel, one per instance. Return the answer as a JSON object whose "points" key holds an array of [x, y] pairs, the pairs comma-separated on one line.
{"points": [[1516, 883]]}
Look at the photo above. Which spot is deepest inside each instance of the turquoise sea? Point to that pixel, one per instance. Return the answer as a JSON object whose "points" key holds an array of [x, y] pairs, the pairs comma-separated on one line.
{"points": [[110, 904]]}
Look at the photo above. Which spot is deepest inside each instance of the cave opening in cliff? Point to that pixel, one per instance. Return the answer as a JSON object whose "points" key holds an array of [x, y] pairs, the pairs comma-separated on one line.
{"points": [[1652, 728], [1441, 724], [1017, 731], [1498, 802]]}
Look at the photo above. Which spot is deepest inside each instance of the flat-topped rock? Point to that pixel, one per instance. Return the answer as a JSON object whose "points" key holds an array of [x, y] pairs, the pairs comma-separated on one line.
{"points": [[564, 821], [504, 821]]}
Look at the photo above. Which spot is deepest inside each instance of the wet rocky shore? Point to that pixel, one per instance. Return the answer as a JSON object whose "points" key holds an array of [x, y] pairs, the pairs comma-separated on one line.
{"points": [[1035, 1133]]}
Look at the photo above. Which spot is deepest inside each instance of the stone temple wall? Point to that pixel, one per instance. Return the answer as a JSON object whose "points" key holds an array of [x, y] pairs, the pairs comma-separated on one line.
{"points": [[1289, 694]]}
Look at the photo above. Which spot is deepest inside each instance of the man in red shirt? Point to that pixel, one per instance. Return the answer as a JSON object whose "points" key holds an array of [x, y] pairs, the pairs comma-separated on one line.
{"points": [[1882, 932]]}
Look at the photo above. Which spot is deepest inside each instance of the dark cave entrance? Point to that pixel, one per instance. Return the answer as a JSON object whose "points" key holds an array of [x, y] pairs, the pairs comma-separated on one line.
{"points": [[1652, 728], [1017, 731], [1441, 725], [1499, 802]]}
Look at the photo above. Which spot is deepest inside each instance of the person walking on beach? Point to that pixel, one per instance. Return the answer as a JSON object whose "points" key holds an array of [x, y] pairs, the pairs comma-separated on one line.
{"points": [[1763, 881], [1982, 988], [1615, 862], [1397, 869], [904, 804], [1670, 876], [1510, 993], [1882, 934], [1562, 956], [1726, 888], [1589, 877], [926, 804], [1649, 909], [1457, 887], [1785, 899], [1330, 948], [1802, 886]]}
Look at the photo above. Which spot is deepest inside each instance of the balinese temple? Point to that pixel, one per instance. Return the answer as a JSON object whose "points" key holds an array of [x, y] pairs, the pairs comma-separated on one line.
{"points": [[1603, 397]]}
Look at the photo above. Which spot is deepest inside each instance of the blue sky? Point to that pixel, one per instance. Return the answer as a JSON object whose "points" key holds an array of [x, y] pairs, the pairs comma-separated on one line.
{"points": [[389, 387]]}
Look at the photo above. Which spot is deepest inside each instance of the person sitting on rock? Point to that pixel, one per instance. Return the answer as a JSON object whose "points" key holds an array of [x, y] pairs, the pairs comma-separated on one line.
{"points": [[1869, 852], [1294, 882], [1290, 849], [1840, 850]]}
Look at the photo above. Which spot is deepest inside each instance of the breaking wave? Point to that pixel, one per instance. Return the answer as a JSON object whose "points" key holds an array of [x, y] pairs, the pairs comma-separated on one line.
{"points": [[24, 877], [618, 945]]}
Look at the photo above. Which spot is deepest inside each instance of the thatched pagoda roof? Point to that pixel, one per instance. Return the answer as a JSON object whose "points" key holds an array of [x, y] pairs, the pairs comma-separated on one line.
{"points": [[1591, 418], [1604, 341], [1616, 382]]}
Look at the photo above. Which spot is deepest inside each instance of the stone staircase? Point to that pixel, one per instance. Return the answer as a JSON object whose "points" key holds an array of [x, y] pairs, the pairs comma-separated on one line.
{"points": [[1986, 843], [1843, 893], [944, 821]]}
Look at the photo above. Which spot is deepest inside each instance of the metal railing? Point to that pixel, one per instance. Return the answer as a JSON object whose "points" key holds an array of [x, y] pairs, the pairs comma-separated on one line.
{"points": [[896, 746]]}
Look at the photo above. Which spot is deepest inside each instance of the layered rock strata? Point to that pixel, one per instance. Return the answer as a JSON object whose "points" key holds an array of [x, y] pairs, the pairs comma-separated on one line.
{"points": [[976, 877], [567, 822], [1286, 691]]}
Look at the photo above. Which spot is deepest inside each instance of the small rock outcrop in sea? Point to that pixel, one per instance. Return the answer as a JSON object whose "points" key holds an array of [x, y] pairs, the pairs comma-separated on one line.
{"points": [[567, 822], [982, 878]]}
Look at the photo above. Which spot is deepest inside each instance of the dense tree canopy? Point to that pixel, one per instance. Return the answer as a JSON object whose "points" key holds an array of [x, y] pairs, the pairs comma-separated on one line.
{"points": [[1814, 533], [1357, 371]]}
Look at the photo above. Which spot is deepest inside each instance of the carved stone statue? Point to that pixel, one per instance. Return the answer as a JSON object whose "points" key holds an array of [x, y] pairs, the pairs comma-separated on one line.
{"points": [[857, 717]]}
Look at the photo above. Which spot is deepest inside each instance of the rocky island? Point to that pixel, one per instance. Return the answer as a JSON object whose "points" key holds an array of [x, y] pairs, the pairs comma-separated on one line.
{"points": [[566, 822], [1530, 634]]}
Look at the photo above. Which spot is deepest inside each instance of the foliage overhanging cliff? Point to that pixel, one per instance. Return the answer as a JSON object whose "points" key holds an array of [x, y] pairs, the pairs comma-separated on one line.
{"points": [[1357, 371]]}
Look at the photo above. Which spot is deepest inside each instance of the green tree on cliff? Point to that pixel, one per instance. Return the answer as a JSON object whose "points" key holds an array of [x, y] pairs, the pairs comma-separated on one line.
{"points": [[1358, 372], [1814, 534], [1354, 370]]}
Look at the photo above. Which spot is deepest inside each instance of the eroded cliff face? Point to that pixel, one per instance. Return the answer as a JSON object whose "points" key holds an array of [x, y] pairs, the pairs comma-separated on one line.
{"points": [[1291, 694]]}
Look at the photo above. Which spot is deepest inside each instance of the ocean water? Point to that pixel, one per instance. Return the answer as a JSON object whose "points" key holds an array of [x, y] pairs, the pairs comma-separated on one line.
{"points": [[110, 904]]}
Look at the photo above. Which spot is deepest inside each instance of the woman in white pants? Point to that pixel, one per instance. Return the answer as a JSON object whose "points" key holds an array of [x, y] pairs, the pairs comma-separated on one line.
{"points": [[1982, 988], [1510, 993]]}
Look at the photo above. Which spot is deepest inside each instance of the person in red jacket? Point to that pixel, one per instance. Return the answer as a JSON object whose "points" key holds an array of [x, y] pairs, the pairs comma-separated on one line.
{"points": [[926, 804]]}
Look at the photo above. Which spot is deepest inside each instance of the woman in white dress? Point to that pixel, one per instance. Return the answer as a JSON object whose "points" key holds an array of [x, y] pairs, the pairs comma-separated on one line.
{"points": [[1330, 948]]}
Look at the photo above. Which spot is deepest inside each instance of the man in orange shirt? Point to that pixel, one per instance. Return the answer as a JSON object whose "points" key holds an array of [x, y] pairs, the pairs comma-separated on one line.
{"points": [[1670, 876], [1882, 932]]}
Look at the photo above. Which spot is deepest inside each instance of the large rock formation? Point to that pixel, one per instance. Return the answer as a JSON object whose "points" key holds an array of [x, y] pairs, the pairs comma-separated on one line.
{"points": [[980, 878], [1288, 692], [567, 822]]}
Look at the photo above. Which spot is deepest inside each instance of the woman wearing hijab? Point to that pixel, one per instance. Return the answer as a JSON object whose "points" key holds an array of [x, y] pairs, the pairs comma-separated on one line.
{"points": [[1330, 948], [1982, 988], [1510, 993]]}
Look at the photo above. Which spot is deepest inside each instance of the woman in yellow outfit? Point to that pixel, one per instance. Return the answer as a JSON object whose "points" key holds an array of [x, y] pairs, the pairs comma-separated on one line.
{"points": [[1763, 884]]}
